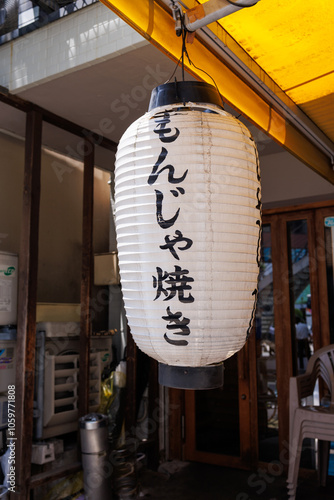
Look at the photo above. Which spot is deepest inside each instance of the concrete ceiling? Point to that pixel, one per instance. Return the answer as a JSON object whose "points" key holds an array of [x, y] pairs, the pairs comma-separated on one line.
{"points": [[105, 97]]}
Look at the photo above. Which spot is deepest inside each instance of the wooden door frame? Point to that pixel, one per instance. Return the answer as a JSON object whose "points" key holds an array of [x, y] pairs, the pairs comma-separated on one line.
{"points": [[247, 416], [278, 218], [322, 276], [284, 314]]}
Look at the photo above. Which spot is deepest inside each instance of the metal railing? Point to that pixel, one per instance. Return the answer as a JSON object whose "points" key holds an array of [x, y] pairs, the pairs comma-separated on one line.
{"points": [[19, 17]]}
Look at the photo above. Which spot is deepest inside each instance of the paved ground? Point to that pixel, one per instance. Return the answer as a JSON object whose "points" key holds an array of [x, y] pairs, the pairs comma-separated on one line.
{"points": [[193, 481]]}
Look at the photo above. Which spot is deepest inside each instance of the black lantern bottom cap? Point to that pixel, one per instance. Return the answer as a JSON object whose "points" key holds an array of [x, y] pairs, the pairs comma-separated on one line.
{"points": [[190, 377]]}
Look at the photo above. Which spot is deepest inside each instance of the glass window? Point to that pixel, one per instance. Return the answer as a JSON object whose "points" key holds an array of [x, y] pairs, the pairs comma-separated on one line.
{"points": [[329, 245], [301, 307], [300, 293], [266, 355]]}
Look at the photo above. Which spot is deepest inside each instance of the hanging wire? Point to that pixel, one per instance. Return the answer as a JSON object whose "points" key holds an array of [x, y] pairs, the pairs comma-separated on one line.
{"points": [[171, 76], [184, 52], [178, 18], [184, 48]]}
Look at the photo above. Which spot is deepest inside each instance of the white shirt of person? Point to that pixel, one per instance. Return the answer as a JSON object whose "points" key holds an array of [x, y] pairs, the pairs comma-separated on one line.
{"points": [[302, 331]]}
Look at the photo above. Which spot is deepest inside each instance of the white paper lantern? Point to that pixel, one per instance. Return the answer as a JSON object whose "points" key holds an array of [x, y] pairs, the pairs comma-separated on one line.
{"points": [[188, 212]]}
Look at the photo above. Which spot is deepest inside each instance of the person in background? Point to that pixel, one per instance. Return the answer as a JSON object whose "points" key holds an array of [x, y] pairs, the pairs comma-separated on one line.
{"points": [[302, 336]]}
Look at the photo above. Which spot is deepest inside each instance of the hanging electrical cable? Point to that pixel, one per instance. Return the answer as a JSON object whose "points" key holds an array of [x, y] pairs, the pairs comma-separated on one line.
{"points": [[181, 30]]}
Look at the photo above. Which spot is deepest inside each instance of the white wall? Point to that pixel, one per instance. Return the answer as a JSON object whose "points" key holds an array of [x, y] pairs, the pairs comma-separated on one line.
{"points": [[59, 269], [89, 36], [11, 184], [287, 181]]}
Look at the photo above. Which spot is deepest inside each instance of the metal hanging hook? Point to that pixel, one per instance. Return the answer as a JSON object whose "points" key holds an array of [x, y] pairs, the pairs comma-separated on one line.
{"points": [[178, 17]]}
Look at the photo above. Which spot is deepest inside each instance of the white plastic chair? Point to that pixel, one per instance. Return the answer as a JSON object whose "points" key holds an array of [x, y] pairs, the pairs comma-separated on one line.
{"points": [[315, 422]]}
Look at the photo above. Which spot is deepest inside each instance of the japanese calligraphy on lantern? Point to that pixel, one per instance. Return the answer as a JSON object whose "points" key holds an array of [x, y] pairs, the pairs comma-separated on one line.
{"points": [[174, 284], [188, 219]]}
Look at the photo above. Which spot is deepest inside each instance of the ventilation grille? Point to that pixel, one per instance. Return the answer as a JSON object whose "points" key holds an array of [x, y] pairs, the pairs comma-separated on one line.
{"points": [[61, 388]]}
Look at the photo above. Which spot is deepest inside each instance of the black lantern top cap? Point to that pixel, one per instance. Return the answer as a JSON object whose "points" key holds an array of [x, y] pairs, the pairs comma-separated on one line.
{"points": [[182, 92]]}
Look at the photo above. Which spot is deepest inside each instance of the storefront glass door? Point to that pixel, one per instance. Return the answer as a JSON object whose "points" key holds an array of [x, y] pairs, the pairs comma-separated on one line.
{"points": [[267, 407], [247, 421], [329, 248], [300, 293]]}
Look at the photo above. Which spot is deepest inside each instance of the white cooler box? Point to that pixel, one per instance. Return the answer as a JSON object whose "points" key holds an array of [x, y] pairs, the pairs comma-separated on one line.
{"points": [[8, 288], [7, 358]]}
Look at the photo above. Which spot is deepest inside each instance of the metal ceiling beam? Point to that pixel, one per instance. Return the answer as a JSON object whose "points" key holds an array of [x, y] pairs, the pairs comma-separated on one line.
{"points": [[213, 10], [153, 20]]}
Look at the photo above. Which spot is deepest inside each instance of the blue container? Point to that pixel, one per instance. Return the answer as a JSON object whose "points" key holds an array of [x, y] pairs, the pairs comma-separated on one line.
{"points": [[331, 460]]}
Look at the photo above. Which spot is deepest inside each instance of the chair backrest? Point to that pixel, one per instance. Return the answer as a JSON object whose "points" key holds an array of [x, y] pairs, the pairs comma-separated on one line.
{"points": [[327, 369], [320, 365]]}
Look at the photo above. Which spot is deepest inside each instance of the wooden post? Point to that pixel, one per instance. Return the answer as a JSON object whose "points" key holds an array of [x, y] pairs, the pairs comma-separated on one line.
{"points": [[154, 414], [283, 334], [27, 296], [87, 277], [131, 386], [175, 423]]}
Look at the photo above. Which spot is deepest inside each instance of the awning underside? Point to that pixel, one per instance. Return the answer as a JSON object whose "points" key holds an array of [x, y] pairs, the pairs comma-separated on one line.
{"points": [[280, 76], [294, 43]]}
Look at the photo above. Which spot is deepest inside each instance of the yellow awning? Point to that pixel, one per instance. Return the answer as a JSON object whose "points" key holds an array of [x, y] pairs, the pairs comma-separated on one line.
{"points": [[285, 80], [293, 41]]}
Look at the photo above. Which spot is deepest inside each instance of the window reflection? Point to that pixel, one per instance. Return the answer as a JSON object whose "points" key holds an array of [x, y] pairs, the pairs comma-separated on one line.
{"points": [[266, 355], [329, 244], [301, 293], [301, 307]]}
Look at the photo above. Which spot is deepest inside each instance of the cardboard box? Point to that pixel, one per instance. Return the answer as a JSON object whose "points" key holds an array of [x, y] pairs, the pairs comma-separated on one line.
{"points": [[106, 270]]}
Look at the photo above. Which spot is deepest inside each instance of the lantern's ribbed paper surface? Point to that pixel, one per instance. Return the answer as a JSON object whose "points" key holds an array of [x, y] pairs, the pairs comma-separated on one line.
{"points": [[188, 210]]}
